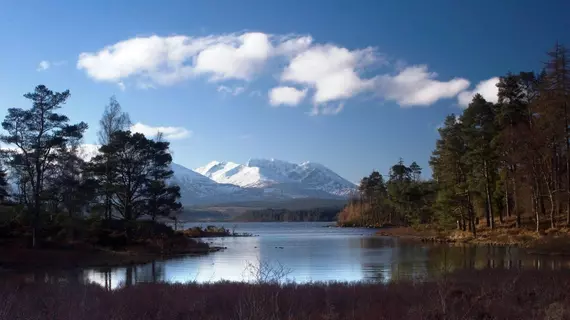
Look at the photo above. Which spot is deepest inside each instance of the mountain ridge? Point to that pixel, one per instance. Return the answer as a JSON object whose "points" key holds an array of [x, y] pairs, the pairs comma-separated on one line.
{"points": [[220, 182], [267, 172]]}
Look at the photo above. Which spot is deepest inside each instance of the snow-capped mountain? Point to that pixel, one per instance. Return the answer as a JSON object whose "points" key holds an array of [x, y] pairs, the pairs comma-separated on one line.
{"points": [[195, 188], [307, 179], [258, 179]]}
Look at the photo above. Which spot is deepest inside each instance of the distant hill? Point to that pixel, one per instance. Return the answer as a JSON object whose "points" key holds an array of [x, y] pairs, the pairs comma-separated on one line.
{"points": [[284, 215], [231, 211]]}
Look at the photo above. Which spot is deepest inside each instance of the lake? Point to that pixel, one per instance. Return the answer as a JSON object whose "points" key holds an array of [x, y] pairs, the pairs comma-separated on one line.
{"points": [[312, 251]]}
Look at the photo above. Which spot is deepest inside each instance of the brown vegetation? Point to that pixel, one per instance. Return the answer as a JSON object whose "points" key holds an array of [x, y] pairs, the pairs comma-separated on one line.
{"points": [[488, 294], [553, 241]]}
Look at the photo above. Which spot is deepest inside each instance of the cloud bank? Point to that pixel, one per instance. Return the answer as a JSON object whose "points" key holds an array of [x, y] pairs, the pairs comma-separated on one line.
{"points": [[326, 75]]}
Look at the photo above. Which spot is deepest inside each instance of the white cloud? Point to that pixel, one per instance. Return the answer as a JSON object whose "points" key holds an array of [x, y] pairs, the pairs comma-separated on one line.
{"points": [[328, 73], [167, 60], [415, 86], [288, 96], [155, 57], [170, 133], [43, 65], [234, 91], [487, 88], [121, 85], [238, 60], [327, 109], [331, 70], [293, 45]]}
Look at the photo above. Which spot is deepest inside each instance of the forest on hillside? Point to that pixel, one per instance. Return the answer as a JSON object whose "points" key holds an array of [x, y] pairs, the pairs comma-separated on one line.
{"points": [[287, 215], [497, 161]]}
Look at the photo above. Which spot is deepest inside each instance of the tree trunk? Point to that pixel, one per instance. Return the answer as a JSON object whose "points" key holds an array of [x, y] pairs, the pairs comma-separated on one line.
{"points": [[129, 276], [552, 210], [553, 194], [553, 203], [567, 162], [535, 207], [37, 205], [515, 203], [490, 217], [471, 213], [507, 200], [153, 271]]}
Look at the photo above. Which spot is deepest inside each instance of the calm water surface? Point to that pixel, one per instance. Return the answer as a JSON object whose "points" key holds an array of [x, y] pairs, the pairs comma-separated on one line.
{"points": [[313, 252]]}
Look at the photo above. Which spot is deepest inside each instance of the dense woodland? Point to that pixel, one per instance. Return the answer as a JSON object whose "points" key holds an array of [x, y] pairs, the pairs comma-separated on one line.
{"points": [[285, 215], [42, 157], [495, 162]]}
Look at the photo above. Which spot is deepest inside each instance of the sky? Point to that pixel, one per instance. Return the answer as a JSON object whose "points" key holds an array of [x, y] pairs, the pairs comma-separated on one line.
{"points": [[354, 85]]}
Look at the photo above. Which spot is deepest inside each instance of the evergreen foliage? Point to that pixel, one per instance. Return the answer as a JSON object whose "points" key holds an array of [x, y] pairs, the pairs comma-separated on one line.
{"points": [[495, 162], [127, 180]]}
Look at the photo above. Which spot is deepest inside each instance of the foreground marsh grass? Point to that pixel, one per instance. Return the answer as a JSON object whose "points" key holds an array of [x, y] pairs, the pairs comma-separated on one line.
{"points": [[487, 294]]}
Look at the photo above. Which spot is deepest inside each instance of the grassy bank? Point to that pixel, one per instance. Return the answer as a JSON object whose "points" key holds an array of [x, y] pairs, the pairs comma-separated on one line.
{"points": [[553, 241], [489, 294]]}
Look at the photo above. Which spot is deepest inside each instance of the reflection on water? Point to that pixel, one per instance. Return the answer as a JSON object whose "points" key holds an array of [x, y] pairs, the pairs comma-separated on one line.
{"points": [[313, 253]]}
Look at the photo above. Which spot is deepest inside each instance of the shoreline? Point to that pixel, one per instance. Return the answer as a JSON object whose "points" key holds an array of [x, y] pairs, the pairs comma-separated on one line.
{"points": [[29, 258], [555, 242]]}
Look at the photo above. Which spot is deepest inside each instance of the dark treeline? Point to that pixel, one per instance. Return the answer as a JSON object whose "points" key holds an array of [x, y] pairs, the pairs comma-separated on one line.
{"points": [[285, 215], [501, 161], [402, 199], [42, 157]]}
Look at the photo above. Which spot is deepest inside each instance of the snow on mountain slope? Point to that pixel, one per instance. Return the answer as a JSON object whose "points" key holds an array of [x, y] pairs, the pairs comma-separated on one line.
{"points": [[281, 177], [259, 179], [195, 188]]}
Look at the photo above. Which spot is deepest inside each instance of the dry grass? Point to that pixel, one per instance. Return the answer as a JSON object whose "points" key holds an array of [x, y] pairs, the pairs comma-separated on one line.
{"points": [[551, 241], [501, 235], [489, 294]]}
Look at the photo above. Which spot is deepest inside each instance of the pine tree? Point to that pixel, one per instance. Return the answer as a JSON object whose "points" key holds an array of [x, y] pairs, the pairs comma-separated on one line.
{"points": [[38, 133], [516, 93], [454, 201], [478, 122], [138, 168], [162, 199]]}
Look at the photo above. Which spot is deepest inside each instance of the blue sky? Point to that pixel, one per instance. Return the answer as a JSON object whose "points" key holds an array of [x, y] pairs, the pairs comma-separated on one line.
{"points": [[353, 85]]}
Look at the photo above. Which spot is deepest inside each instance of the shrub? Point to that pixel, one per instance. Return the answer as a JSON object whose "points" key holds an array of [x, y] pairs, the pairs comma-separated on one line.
{"points": [[488, 294]]}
